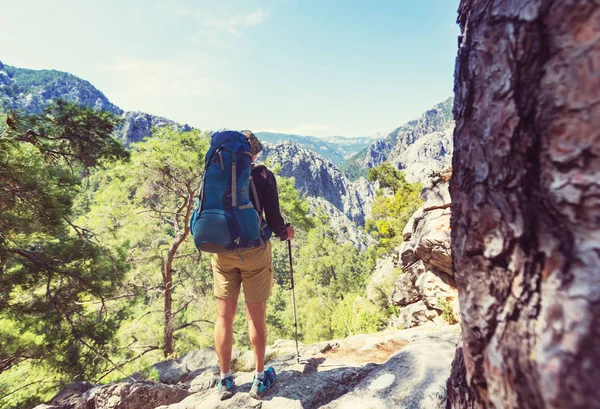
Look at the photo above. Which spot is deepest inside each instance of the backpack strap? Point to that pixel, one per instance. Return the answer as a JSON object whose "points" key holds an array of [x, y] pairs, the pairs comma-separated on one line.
{"points": [[253, 187], [201, 191], [233, 180]]}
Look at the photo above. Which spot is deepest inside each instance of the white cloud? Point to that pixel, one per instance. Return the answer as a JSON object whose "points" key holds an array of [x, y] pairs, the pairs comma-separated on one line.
{"points": [[141, 84], [222, 21]]}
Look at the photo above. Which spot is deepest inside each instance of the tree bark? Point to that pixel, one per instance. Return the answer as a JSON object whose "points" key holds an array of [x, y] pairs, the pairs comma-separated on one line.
{"points": [[526, 204]]}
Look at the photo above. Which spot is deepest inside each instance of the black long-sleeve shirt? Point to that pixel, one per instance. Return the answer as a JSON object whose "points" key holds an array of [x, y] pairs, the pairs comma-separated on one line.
{"points": [[266, 190]]}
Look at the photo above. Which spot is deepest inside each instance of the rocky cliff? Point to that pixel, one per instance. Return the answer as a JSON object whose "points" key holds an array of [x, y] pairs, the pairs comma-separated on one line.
{"points": [[335, 149], [348, 204], [31, 90], [138, 125], [424, 291], [391, 369], [417, 147]]}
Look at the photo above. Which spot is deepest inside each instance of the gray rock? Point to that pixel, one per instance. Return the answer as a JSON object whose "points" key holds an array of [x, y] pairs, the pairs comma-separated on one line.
{"points": [[202, 359], [432, 239], [170, 371], [412, 224], [413, 378], [417, 147], [137, 395], [436, 196], [433, 287], [405, 291], [319, 178], [139, 125], [205, 380], [395, 367], [68, 397], [416, 314], [407, 253]]}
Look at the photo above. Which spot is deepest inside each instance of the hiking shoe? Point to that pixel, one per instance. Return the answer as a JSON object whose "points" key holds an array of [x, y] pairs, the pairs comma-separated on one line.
{"points": [[261, 386], [226, 387]]}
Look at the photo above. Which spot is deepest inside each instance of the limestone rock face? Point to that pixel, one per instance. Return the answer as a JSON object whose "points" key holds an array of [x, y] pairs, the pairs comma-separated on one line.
{"points": [[417, 147], [346, 203], [405, 291], [425, 289], [139, 125]]}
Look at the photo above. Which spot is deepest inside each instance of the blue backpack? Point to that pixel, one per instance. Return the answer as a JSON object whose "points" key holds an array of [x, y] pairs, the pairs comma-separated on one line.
{"points": [[224, 222]]}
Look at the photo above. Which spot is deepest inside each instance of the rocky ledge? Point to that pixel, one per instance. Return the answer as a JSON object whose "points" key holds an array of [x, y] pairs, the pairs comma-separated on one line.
{"points": [[424, 291], [391, 369]]}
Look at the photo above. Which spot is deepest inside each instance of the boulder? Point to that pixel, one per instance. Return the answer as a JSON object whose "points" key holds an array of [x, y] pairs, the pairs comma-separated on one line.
{"points": [[131, 395], [412, 224], [404, 291], [437, 195], [413, 378], [170, 371], [68, 397], [407, 254], [433, 287], [432, 240], [418, 314]]}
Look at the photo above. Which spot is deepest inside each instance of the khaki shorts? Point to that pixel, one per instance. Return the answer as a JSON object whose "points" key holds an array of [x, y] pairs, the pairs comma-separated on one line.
{"points": [[255, 272]]}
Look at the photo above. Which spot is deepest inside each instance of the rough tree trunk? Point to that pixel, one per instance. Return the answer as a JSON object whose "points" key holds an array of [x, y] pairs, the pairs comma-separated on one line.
{"points": [[168, 311], [526, 204], [183, 230]]}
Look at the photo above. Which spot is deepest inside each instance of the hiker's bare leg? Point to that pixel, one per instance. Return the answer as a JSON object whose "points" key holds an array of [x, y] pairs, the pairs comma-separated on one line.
{"points": [[257, 327], [224, 331]]}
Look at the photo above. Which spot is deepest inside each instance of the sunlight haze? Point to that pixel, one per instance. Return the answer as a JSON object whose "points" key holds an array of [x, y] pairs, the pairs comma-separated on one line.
{"points": [[317, 68]]}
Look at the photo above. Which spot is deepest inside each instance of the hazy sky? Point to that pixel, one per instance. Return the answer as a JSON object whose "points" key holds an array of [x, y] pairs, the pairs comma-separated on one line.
{"points": [[319, 68]]}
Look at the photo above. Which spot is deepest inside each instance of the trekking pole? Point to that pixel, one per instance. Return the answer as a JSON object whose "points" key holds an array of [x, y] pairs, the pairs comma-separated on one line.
{"points": [[294, 300]]}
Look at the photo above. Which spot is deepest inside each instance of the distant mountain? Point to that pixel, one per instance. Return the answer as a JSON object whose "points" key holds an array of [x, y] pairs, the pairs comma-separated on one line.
{"points": [[347, 203], [31, 90], [417, 147], [336, 149]]}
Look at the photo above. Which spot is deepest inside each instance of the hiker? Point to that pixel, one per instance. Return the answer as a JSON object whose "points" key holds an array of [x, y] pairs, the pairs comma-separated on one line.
{"points": [[252, 267]]}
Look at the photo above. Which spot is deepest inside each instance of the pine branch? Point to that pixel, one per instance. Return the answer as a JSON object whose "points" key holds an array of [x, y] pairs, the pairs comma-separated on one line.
{"points": [[138, 356], [191, 323], [444, 206]]}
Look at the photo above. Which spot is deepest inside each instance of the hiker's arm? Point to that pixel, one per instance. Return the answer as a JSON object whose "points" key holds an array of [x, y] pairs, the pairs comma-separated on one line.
{"points": [[271, 207]]}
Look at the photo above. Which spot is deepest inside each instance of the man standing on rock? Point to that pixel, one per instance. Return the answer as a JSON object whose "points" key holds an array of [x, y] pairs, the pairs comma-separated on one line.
{"points": [[252, 269]]}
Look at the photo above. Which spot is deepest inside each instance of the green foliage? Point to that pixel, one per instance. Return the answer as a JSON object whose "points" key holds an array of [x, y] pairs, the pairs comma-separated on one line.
{"points": [[145, 205], [357, 315], [108, 286], [447, 311], [387, 176], [53, 276], [330, 280], [390, 213], [353, 168]]}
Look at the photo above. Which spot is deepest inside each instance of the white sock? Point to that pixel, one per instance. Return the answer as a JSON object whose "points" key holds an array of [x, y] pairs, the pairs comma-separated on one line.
{"points": [[226, 375], [260, 375]]}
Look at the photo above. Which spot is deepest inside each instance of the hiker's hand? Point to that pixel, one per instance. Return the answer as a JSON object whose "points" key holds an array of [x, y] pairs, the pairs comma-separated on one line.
{"points": [[290, 232]]}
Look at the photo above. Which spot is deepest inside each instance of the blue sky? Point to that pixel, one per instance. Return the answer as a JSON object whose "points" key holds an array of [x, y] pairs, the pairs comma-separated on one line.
{"points": [[350, 68]]}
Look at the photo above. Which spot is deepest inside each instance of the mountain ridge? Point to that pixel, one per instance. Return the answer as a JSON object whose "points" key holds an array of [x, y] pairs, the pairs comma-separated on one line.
{"points": [[417, 147], [337, 149]]}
